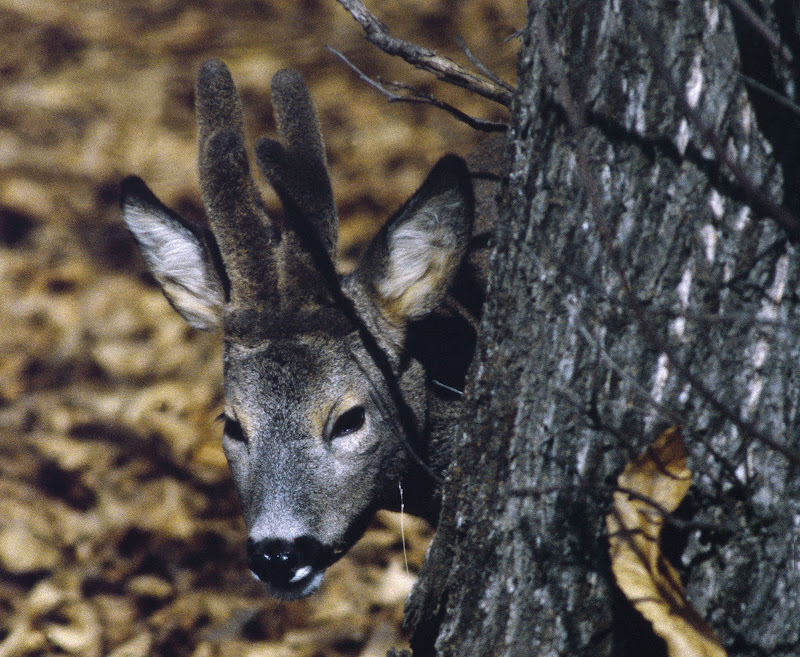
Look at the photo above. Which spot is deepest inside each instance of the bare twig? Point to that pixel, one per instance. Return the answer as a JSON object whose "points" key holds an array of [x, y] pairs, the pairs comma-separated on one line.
{"points": [[516, 35], [428, 60], [772, 39], [477, 63], [594, 488], [419, 96], [774, 95], [665, 411]]}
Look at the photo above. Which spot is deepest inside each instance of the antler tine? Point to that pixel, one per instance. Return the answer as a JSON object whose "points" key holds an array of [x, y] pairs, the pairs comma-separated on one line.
{"points": [[216, 100], [241, 227], [296, 167]]}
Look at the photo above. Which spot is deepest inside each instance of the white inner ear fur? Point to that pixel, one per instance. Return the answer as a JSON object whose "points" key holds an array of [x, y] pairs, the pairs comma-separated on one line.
{"points": [[421, 252], [176, 258]]}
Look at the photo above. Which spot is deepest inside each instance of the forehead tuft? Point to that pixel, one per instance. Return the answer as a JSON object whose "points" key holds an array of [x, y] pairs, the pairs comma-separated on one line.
{"points": [[288, 368], [251, 328]]}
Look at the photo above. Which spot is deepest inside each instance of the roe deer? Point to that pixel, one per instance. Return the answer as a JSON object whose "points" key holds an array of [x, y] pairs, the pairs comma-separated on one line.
{"points": [[338, 389]]}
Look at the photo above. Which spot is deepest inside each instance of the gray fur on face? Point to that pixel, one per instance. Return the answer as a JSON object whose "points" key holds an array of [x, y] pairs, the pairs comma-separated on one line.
{"points": [[336, 388]]}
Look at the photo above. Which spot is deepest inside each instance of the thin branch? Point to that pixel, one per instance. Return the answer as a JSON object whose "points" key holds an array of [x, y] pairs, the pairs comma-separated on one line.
{"points": [[667, 412], [516, 35], [718, 526], [477, 63], [700, 316], [314, 247], [428, 60], [755, 21], [420, 97], [774, 95]]}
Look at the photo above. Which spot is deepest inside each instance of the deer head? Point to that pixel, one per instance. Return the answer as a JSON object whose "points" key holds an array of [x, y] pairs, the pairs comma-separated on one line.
{"points": [[313, 434]]}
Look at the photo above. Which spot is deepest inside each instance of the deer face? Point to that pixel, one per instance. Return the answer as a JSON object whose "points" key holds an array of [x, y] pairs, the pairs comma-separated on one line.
{"points": [[313, 458], [317, 378]]}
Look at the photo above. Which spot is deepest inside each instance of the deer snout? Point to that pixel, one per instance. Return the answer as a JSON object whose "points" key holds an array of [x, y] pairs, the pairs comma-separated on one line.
{"points": [[289, 569]]}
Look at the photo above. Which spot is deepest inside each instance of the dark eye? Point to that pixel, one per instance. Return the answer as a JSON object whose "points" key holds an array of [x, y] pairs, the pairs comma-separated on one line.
{"points": [[348, 422], [233, 429]]}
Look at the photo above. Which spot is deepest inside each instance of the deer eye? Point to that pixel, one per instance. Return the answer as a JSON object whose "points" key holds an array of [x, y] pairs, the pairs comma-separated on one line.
{"points": [[233, 429], [348, 422]]}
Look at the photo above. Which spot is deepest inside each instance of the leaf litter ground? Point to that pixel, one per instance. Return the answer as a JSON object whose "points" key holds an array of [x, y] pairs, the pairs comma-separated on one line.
{"points": [[119, 528]]}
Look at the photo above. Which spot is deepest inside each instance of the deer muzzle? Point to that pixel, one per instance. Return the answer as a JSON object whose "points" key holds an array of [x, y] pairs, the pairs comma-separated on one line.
{"points": [[289, 569]]}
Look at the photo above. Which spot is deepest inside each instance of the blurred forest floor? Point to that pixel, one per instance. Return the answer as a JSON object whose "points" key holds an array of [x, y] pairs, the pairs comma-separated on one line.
{"points": [[119, 529]]}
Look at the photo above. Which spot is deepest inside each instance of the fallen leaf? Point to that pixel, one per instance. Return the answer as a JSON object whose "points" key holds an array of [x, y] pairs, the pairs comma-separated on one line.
{"points": [[23, 552], [82, 634], [395, 583], [138, 646], [150, 586], [650, 487]]}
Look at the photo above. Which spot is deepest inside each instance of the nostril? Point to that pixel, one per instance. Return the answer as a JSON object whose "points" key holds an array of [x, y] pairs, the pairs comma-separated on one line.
{"points": [[281, 563], [271, 560]]}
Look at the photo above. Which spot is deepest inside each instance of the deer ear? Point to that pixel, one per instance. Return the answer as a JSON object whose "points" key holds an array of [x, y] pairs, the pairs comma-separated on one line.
{"points": [[408, 268], [178, 255]]}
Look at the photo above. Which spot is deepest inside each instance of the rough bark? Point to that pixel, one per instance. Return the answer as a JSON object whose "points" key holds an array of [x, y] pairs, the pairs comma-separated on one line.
{"points": [[639, 282]]}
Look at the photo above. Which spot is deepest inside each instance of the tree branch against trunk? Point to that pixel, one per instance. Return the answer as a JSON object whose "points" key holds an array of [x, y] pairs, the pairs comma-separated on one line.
{"points": [[643, 277], [443, 68]]}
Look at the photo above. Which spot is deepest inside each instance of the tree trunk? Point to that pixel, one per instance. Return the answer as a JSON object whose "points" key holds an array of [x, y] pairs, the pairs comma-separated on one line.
{"points": [[645, 276]]}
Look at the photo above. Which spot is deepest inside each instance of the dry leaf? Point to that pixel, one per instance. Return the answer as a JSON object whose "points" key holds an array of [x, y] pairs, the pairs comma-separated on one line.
{"points": [[138, 646], [395, 583], [82, 634], [648, 488], [23, 552], [105, 385]]}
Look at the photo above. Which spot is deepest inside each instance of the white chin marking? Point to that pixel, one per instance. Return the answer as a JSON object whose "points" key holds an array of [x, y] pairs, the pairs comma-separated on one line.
{"points": [[304, 583], [301, 573], [313, 583]]}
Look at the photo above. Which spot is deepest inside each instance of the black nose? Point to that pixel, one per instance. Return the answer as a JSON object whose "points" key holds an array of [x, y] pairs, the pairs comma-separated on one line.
{"points": [[285, 564]]}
